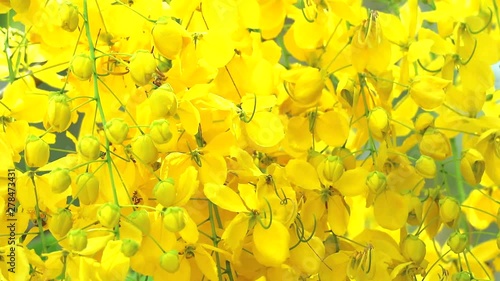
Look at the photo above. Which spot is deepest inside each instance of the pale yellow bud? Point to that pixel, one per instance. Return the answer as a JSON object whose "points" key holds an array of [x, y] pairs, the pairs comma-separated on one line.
{"points": [[89, 147], [61, 222], [165, 192], [36, 152], [160, 131], [82, 66], [116, 130], [109, 215], [169, 261], [173, 219], [142, 67], [144, 149], [58, 117], [68, 15], [129, 247], [77, 239], [426, 167], [163, 102], [378, 123], [59, 180], [458, 242], [413, 248], [376, 182], [330, 170], [449, 209], [88, 188]]}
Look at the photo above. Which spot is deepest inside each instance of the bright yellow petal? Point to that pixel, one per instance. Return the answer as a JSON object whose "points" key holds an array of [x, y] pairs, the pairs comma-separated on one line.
{"points": [[271, 245], [224, 197], [302, 174]]}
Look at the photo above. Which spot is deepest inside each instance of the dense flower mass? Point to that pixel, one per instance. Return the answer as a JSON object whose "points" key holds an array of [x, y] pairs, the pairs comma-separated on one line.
{"points": [[249, 140]]}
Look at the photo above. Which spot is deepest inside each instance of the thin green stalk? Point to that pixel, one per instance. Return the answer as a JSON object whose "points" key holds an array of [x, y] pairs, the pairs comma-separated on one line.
{"points": [[98, 102], [214, 237]]}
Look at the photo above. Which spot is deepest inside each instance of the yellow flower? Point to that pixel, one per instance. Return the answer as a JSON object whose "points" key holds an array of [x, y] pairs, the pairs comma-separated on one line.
{"points": [[376, 181], [435, 144], [472, 166], [305, 85], [427, 91], [36, 152]]}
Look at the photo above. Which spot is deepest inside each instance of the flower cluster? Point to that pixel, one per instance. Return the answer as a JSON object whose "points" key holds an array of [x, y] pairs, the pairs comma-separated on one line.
{"points": [[251, 140]]}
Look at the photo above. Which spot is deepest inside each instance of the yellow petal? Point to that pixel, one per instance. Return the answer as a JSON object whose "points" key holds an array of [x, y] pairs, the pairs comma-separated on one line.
{"points": [[206, 263], [338, 216], [271, 245], [352, 182], [236, 231], [302, 174], [391, 210], [332, 128], [224, 197]]}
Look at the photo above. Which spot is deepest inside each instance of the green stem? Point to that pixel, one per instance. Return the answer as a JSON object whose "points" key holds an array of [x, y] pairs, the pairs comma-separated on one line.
{"points": [[456, 157], [214, 237], [98, 102]]}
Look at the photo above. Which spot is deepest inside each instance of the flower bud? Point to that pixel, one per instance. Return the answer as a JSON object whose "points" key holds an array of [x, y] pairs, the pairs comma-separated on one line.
{"points": [[109, 215], [330, 170], [88, 188], [169, 37], [424, 121], [68, 15], [58, 117], [142, 67], [435, 144], [427, 91], [347, 157], [160, 131], [20, 6], [82, 66], [169, 261], [378, 123], [77, 239], [163, 102], [426, 167], [165, 192], [472, 166], [59, 180], [173, 219], [376, 181], [449, 209], [61, 222], [140, 219], [306, 86], [129, 247], [36, 152], [144, 149], [89, 147], [414, 249], [462, 276], [116, 130], [458, 242]]}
